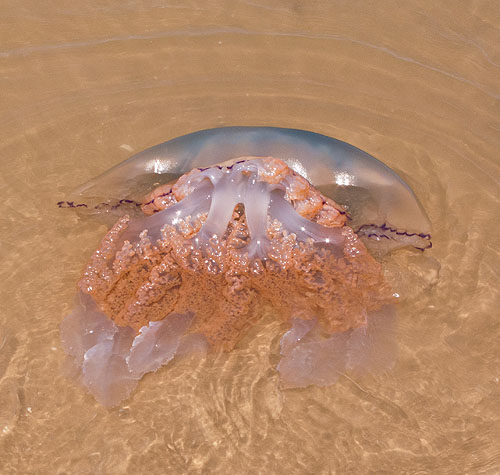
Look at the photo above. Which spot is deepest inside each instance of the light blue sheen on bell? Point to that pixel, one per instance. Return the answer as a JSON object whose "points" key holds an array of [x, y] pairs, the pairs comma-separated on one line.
{"points": [[338, 169]]}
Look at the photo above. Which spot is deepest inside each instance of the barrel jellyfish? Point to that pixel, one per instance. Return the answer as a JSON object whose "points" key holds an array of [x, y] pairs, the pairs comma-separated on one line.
{"points": [[216, 227]]}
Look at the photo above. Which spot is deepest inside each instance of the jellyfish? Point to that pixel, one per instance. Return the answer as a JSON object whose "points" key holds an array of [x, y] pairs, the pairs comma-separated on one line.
{"points": [[217, 226]]}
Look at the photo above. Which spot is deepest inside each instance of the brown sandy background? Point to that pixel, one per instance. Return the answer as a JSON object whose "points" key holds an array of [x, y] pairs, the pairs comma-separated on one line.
{"points": [[415, 83]]}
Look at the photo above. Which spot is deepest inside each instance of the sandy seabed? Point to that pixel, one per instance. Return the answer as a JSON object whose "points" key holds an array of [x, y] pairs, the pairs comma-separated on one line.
{"points": [[84, 85]]}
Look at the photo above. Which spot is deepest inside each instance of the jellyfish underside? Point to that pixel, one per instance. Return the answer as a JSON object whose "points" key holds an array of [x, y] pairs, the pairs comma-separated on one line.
{"points": [[214, 250]]}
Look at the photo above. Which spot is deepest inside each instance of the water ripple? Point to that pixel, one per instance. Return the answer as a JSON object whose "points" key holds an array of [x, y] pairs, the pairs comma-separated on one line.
{"points": [[28, 50]]}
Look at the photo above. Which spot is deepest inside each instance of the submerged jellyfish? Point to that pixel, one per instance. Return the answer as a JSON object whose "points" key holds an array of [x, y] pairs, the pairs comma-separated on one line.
{"points": [[234, 221]]}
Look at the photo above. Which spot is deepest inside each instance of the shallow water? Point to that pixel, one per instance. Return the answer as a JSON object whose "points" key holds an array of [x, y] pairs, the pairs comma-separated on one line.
{"points": [[417, 84]]}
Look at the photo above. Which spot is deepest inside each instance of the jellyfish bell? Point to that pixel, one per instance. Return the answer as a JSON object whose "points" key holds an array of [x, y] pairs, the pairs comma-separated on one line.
{"points": [[234, 222], [381, 206]]}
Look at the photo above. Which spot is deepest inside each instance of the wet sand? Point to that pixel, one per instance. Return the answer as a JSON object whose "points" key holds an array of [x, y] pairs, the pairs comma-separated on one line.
{"points": [[416, 84]]}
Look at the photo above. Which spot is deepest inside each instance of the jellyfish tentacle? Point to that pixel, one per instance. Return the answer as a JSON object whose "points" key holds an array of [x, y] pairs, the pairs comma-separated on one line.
{"points": [[194, 205], [229, 242], [311, 358], [256, 202], [214, 174], [224, 200], [304, 229]]}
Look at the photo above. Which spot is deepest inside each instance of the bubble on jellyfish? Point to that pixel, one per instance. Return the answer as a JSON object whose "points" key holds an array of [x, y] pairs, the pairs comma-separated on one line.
{"points": [[217, 226]]}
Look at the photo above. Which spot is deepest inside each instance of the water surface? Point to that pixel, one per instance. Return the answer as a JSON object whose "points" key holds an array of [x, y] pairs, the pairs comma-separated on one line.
{"points": [[416, 84]]}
